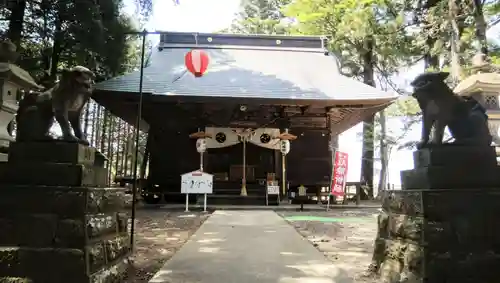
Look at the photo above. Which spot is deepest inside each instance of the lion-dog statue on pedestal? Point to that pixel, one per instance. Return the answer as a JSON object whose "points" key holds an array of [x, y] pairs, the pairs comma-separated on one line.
{"points": [[65, 101], [465, 117]]}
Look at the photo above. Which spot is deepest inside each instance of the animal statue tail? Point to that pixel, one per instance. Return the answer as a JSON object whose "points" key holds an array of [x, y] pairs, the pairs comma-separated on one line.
{"points": [[31, 110]]}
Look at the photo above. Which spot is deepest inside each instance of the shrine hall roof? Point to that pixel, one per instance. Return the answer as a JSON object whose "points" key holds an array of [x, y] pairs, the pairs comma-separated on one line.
{"points": [[245, 67]]}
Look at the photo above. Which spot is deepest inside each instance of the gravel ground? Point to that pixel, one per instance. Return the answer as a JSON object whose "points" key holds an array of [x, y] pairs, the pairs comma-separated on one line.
{"points": [[159, 234], [347, 240]]}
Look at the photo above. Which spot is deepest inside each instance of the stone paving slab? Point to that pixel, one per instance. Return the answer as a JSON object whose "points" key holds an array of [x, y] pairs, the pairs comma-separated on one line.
{"points": [[249, 246]]}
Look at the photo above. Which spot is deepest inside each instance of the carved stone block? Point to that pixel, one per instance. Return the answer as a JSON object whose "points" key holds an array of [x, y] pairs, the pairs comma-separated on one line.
{"points": [[53, 231], [63, 201], [52, 152], [57, 265], [443, 204], [455, 156], [445, 177], [404, 260], [80, 230], [439, 236], [15, 280], [51, 174]]}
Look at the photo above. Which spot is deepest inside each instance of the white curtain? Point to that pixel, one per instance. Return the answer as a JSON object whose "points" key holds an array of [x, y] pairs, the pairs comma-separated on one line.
{"points": [[257, 137], [217, 140]]}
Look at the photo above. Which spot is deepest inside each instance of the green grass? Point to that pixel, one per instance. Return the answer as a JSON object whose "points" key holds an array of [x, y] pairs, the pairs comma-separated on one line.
{"points": [[326, 219]]}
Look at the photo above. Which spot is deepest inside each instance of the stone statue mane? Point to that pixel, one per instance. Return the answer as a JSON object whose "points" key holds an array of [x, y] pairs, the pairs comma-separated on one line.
{"points": [[441, 107], [64, 102]]}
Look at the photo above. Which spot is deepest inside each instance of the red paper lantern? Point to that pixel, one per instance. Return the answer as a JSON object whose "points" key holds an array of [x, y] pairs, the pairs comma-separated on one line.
{"points": [[197, 62]]}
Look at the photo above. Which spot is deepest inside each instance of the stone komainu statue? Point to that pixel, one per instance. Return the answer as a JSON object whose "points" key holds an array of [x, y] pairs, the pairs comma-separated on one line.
{"points": [[65, 101], [465, 117]]}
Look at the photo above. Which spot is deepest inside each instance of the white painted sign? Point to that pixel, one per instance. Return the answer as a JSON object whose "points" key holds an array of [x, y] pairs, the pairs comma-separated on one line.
{"points": [[285, 146], [197, 182], [201, 145], [273, 190], [302, 191]]}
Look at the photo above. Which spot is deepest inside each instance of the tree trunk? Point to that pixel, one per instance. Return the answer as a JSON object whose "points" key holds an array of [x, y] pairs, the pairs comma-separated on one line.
{"points": [[118, 160], [16, 21], [384, 153], [368, 142], [92, 140], [104, 134], [56, 48], [98, 126], [86, 120], [431, 61], [126, 152], [110, 151], [456, 69], [481, 27]]}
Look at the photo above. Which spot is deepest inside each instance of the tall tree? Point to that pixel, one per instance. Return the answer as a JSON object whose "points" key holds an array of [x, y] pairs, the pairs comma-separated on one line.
{"points": [[371, 36]]}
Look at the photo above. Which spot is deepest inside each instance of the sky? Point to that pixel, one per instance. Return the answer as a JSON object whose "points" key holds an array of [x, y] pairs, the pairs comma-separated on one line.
{"points": [[214, 15]]}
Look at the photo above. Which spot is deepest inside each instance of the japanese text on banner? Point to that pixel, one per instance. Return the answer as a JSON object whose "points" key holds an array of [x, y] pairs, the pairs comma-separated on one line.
{"points": [[339, 173]]}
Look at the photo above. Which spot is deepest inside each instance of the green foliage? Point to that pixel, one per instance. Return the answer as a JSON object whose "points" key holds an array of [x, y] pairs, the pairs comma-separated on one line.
{"points": [[404, 106], [349, 23], [58, 34], [260, 17]]}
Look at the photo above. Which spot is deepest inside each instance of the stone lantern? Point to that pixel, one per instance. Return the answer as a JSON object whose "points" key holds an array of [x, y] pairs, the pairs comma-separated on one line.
{"points": [[13, 80], [484, 86]]}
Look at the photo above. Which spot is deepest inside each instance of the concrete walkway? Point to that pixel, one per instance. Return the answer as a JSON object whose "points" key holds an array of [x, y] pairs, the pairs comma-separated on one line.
{"points": [[248, 247]]}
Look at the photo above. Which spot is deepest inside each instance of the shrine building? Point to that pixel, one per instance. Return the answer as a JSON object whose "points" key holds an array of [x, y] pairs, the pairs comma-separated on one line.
{"points": [[263, 85]]}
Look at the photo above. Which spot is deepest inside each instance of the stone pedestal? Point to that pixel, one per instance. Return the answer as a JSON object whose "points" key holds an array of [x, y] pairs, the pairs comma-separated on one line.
{"points": [[59, 222], [443, 226]]}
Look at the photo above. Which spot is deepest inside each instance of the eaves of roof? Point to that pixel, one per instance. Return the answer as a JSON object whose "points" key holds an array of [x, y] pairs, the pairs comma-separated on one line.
{"points": [[273, 73]]}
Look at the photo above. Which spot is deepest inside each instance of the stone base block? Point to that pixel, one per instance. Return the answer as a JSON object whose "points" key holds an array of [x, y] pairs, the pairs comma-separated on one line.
{"points": [[52, 174], [444, 204], [439, 236], [113, 274], [65, 202], [474, 233], [455, 156], [51, 152], [441, 177], [52, 231], [15, 280], [406, 262], [62, 265]]}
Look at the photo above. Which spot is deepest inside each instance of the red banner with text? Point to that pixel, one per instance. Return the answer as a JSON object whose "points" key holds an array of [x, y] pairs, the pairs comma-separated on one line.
{"points": [[339, 175]]}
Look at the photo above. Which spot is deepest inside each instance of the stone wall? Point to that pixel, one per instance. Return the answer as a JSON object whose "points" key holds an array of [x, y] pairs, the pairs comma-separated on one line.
{"points": [[439, 235], [72, 232]]}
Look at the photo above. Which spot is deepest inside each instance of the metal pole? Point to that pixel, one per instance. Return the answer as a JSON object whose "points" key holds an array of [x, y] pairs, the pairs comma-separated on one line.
{"points": [[244, 175], [204, 202], [137, 126], [201, 161], [204, 195], [283, 170], [283, 173]]}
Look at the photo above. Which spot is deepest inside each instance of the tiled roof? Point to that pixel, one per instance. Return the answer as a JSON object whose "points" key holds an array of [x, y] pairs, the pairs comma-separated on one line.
{"points": [[242, 71]]}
